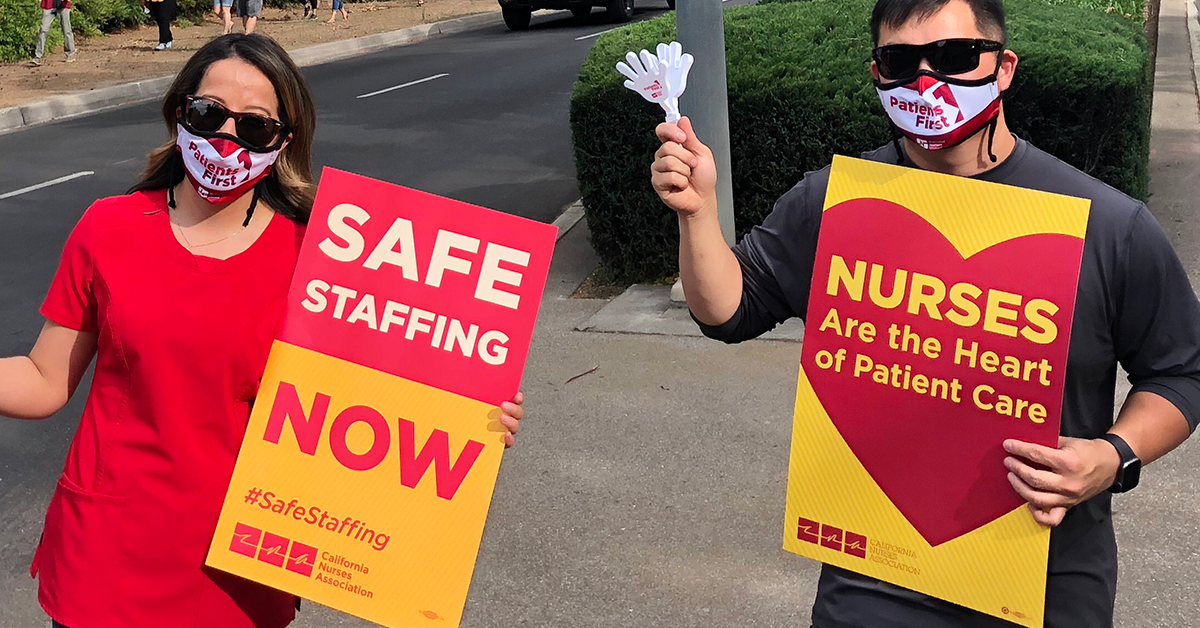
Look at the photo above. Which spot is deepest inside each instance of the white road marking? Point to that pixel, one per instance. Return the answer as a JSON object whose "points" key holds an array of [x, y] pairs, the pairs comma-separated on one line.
{"points": [[47, 184], [408, 84], [595, 34]]}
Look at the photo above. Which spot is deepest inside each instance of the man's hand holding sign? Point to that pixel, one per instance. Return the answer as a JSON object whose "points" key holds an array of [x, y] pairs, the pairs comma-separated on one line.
{"points": [[1055, 480]]}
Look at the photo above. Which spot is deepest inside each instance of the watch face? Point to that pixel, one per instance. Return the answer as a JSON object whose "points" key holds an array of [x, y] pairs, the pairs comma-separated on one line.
{"points": [[1131, 472]]}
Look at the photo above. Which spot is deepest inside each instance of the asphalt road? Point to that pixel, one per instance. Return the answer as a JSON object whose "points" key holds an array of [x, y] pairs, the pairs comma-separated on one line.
{"points": [[491, 129]]}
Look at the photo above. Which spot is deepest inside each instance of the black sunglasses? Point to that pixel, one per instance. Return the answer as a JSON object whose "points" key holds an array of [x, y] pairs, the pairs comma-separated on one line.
{"points": [[205, 118], [947, 56]]}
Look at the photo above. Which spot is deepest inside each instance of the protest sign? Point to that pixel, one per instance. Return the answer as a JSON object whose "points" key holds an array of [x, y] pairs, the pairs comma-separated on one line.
{"points": [[938, 325], [368, 464]]}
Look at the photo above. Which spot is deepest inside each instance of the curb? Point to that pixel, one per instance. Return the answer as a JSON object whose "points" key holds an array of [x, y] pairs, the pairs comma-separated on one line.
{"points": [[568, 218], [92, 101], [1193, 30]]}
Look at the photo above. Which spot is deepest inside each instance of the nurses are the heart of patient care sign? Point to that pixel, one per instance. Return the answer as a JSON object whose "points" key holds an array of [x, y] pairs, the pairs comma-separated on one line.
{"points": [[938, 326], [369, 461]]}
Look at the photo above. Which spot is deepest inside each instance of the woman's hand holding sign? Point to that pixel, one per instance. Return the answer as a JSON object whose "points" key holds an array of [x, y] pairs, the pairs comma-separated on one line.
{"points": [[511, 413]]}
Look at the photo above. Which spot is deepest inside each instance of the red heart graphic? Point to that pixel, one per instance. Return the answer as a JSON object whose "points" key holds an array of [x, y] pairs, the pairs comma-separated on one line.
{"points": [[223, 146], [939, 462]]}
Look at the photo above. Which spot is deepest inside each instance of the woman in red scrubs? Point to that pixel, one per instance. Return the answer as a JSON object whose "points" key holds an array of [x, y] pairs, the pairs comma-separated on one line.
{"points": [[175, 290]]}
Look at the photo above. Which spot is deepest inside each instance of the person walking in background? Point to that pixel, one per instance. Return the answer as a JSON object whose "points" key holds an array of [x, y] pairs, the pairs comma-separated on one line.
{"points": [[163, 11], [250, 10], [338, 7], [50, 8], [310, 9], [224, 11]]}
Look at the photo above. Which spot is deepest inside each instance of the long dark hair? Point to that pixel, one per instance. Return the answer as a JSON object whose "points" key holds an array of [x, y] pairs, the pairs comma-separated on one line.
{"points": [[289, 188]]}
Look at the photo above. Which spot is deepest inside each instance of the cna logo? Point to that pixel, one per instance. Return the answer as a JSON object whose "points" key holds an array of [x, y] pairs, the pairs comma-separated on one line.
{"points": [[833, 538], [273, 549]]}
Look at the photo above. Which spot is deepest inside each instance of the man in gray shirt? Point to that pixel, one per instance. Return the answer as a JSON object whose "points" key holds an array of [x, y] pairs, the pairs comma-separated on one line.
{"points": [[1134, 305]]}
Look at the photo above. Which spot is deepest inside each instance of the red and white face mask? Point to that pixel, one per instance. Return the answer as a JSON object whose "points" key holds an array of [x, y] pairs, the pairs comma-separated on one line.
{"points": [[221, 169], [938, 111]]}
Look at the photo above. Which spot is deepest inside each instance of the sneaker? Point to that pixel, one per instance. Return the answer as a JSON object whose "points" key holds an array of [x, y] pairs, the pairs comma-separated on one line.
{"points": [[70, 58], [163, 46], [35, 62]]}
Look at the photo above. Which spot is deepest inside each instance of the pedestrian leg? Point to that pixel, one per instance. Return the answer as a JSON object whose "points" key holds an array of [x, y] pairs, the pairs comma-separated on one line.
{"points": [[169, 7], [163, 12], [47, 20], [68, 34]]}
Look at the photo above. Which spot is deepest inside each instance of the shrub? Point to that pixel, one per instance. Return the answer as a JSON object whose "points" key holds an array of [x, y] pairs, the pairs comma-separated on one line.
{"points": [[19, 21], [1133, 9], [799, 91]]}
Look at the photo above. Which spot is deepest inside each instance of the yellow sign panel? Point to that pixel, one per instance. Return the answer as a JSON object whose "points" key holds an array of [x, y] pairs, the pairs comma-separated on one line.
{"points": [[379, 518], [938, 326]]}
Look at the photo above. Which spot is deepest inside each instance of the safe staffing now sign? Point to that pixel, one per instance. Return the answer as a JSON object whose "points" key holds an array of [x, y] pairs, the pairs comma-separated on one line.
{"points": [[938, 326], [369, 461]]}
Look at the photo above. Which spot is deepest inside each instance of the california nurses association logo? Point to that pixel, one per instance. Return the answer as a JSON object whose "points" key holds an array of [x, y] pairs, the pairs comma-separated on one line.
{"points": [[273, 549]]}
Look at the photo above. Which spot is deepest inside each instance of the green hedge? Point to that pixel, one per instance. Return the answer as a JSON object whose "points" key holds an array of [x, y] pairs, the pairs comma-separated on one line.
{"points": [[1133, 9], [799, 91]]}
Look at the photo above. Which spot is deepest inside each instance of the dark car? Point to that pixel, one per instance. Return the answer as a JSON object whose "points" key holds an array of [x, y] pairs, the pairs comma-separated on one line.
{"points": [[517, 12]]}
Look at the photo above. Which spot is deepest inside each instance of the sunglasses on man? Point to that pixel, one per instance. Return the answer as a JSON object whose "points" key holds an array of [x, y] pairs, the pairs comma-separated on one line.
{"points": [[898, 62], [205, 118]]}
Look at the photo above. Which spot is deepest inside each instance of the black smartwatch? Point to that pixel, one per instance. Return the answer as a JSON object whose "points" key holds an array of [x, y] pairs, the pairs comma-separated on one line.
{"points": [[1131, 467]]}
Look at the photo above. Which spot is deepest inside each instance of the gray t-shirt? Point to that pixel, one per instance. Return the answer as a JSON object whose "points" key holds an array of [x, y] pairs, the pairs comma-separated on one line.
{"points": [[1134, 306]]}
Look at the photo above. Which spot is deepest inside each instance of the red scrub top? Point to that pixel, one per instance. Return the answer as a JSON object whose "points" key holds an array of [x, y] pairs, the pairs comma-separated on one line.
{"points": [[182, 343]]}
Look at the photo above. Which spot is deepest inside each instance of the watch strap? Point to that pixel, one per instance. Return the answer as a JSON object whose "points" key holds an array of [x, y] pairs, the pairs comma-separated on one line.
{"points": [[1127, 456], [1123, 448]]}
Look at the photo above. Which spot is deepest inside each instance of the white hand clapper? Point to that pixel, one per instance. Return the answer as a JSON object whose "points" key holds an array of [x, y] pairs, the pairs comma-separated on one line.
{"points": [[660, 79]]}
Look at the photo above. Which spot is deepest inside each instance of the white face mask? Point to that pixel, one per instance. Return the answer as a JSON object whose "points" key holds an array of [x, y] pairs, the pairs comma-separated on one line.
{"points": [[939, 112], [221, 169]]}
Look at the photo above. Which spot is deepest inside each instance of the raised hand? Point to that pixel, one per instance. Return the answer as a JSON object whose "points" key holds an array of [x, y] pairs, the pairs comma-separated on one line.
{"points": [[684, 174]]}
